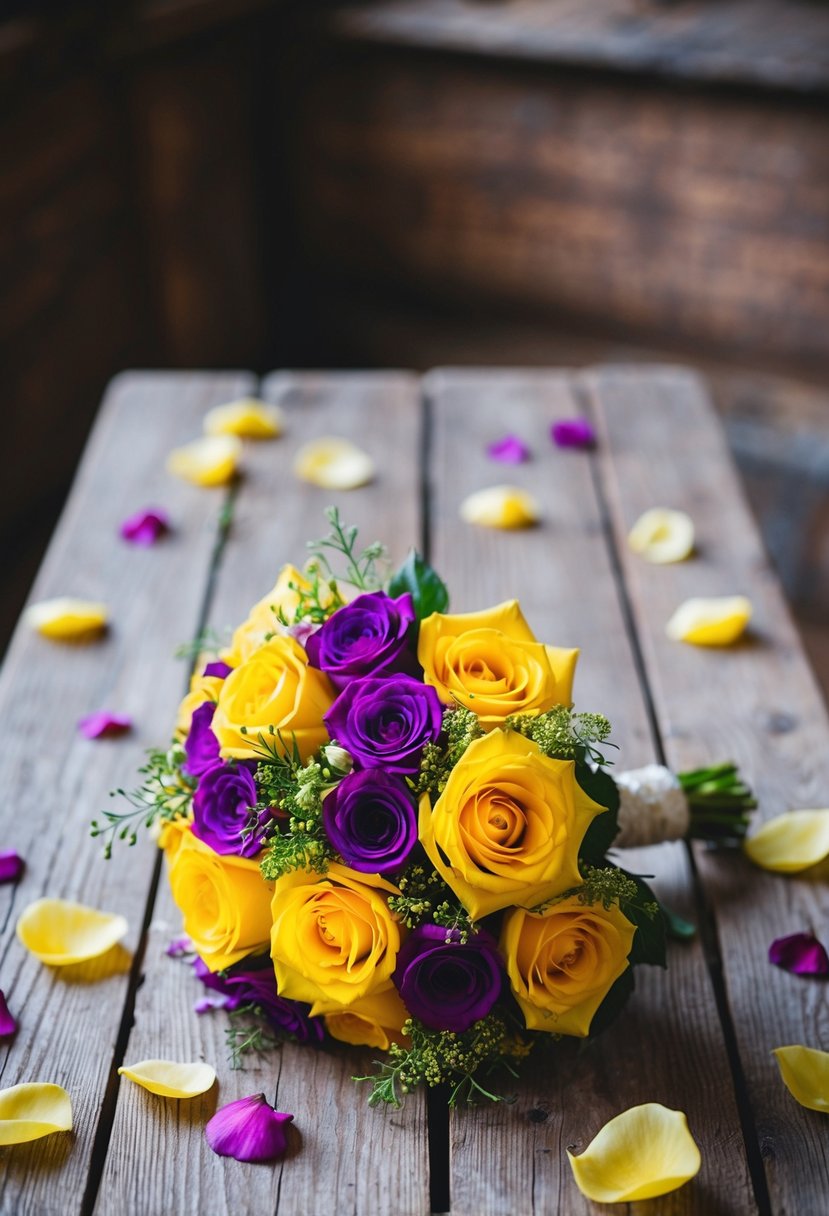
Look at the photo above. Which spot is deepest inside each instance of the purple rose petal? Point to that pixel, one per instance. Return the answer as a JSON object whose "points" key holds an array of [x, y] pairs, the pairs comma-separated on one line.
{"points": [[179, 947], [206, 1003], [386, 722], [222, 805], [145, 527], [800, 953], [371, 820], [8, 1025], [11, 866], [509, 450], [104, 725], [368, 637], [573, 433], [249, 1129], [201, 745], [257, 986], [447, 984], [219, 669]]}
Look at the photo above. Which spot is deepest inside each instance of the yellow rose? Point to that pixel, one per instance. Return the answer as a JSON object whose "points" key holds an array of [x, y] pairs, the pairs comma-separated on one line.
{"points": [[374, 1021], [491, 663], [202, 688], [334, 940], [264, 616], [225, 902], [508, 826], [274, 693], [563, 962]]}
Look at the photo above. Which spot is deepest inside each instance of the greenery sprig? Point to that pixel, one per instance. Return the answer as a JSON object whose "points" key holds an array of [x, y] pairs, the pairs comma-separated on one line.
{"points": [[246, 1037], [165, 794]]}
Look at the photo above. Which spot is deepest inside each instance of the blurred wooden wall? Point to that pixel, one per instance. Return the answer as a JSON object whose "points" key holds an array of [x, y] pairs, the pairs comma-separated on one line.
{"points": [[237, 182]]}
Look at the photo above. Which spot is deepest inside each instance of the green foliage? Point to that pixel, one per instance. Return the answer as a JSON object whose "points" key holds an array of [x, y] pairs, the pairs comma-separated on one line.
{"points": [[421, 891], [250, 1033], [446, 1058], [360, 566], [460, 728], [719, 801], [165, 793], [427, 589], [603, 829], [564, 735]]}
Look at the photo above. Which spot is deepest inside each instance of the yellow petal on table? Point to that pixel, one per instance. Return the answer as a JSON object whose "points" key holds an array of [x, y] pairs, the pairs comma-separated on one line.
{"points": [[335, 464], [710, 622], [32, 1110], [662, 535], [790, 842], [500, 507], [60, 933], [805, 1073], [211, 461], [68, 620], [169, 1079], [249, 419], [646, 1151]]}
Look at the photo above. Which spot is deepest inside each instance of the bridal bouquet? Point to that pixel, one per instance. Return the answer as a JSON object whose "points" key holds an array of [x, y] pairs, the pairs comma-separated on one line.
{"points": [[385, 824]]}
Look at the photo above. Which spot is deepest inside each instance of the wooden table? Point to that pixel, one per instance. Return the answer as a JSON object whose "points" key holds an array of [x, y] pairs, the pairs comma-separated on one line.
{"points": [[697, 1037]]}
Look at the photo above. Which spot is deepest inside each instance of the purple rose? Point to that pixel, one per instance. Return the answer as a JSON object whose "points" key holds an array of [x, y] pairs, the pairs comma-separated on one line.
{"points": [[447, 985], [201, 745], [384, 723], [367, 636], [371, 820], [222, 804], [257, 986]]}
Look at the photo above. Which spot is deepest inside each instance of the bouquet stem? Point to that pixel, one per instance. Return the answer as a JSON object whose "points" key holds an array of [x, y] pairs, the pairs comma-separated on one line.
{"points": [[719, 802]]}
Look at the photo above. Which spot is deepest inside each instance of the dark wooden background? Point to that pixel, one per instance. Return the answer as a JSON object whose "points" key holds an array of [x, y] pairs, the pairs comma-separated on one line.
{"points": [[413, 182]]}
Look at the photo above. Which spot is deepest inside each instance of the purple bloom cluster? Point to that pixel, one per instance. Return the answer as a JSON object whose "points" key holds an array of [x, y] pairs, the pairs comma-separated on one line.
{"points": [[369, 636], [257, 986]]}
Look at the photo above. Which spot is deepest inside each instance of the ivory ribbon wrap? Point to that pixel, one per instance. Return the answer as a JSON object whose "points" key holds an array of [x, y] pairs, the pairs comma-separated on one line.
{"points": [[652, 807]]}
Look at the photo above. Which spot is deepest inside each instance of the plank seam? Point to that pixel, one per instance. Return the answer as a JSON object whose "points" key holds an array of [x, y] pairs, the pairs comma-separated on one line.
{"points": [[586, 398], [106, 1120]]}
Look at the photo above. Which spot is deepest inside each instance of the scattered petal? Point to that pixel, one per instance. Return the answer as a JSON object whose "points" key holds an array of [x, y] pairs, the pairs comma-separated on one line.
{"points": [[169, 1079], [573, 433], [249, 419], [249, 1129], [800, 953], [213, 1000], [335, 464], [500, 507], [8, 1024], [59, 932], [211, 461], [104, 725], [179, 947], [145, 527], [644, 1152], [32, 1110], [68, 620], [509, 450], [662, 535], [712, 622], [11, 866], [805, 1073], [790, 842]]}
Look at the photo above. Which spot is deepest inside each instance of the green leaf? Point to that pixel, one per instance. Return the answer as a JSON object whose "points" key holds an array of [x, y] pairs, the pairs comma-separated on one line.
{"points": [[427, 589], [676, 926], [649, 943], [602, 831], [613, 1003]]}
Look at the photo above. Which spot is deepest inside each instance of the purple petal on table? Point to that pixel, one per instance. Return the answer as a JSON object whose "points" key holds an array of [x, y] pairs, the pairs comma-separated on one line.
{"points": [[249, 1130], [104, 725], [179, 947], [573, 433], [11, 866], [211, 1001], [145, 527], [509, 450], [8, 1025], [800, 953]]}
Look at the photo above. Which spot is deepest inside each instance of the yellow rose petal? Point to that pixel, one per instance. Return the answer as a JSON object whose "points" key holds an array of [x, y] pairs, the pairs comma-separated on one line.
{"points": [[249, 419], [335, 464], [790, 842], [169, 1079], [500, 507], [662, 535], [710, 622], [68, 620], [59, 932], [805, 1073], [644, 1152], [211, 461], [33, 1110]]}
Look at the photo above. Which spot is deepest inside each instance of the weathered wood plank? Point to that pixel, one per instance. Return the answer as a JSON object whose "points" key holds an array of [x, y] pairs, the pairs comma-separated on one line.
{"points": [[55, 782], [354, 1158], [756, 702], [667, 1045]]}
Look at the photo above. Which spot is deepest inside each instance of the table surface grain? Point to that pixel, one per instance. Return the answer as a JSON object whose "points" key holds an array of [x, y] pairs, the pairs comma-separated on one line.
{"points": [[697, 1037]]}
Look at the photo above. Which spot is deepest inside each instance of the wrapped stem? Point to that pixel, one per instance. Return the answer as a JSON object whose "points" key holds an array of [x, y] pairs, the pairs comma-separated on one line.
{"points": [[704, 804], [719, 802]]}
